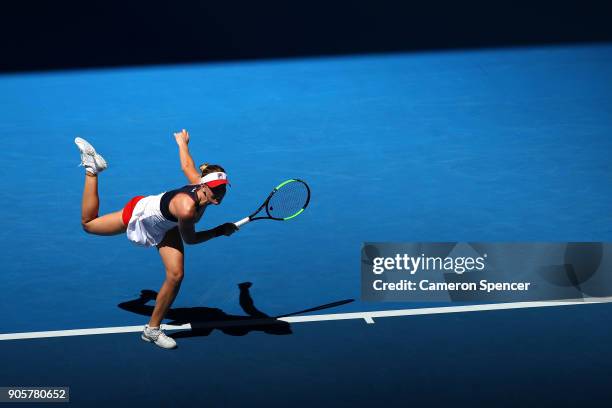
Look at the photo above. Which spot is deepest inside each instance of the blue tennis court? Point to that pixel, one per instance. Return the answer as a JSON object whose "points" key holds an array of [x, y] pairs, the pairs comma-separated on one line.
{"points": [[491, 145]]}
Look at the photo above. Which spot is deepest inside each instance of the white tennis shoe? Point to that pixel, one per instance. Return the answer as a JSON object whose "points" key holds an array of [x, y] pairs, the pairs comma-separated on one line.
{"points": [[156, 335], [92, 161]]}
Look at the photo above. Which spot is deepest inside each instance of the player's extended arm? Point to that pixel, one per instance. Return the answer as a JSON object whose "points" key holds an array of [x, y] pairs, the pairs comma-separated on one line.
{"points": [[183, 207], [191, 237], [187, 164]]}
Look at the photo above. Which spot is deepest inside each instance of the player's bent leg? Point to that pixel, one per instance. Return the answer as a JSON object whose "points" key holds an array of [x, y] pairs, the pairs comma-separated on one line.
{"points": [[109, 224], [90, 202], [94, 164]]}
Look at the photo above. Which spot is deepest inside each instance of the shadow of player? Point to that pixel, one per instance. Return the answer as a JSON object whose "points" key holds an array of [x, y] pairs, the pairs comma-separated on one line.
{"points": [[204, 320]]}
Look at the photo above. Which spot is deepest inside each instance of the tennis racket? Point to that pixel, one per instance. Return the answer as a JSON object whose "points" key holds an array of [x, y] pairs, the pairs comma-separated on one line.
{"points": [[288, 200]]}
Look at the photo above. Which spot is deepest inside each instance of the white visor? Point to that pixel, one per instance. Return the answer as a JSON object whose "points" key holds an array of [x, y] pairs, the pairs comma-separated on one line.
{"points": [[214, 179]]}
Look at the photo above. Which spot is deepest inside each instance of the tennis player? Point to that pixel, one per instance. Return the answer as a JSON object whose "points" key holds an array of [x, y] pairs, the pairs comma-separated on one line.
{"points": [[165, 221]]}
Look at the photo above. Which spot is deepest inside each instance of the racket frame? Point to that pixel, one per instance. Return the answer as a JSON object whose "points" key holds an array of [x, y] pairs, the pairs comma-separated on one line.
{"points": [[252, 217]]}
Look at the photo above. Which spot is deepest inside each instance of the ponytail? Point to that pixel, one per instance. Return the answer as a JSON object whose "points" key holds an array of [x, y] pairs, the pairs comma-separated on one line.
{"points": [[207, 168]]}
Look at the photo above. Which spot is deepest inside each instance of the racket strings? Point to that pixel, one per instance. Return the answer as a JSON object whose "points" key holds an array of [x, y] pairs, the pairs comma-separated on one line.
{"points": [[288, 200]]}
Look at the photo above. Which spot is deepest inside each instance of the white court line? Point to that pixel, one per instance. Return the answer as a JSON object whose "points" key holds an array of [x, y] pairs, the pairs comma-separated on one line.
{"points": [[367, 316], [82, 332]]}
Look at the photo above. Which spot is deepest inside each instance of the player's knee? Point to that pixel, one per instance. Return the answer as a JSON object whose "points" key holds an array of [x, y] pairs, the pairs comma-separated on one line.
{"points": [[174, 276], [86, 226]]}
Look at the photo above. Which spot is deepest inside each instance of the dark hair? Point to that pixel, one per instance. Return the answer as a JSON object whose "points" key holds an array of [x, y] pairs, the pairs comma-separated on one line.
{"points": [[210, 168]]}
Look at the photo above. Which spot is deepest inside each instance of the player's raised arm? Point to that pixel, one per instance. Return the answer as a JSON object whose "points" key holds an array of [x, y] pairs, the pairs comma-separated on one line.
{"points": [[187, 163]]}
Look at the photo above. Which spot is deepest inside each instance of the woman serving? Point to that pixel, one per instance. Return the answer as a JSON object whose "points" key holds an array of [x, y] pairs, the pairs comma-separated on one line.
{"points": [[165, 221]]}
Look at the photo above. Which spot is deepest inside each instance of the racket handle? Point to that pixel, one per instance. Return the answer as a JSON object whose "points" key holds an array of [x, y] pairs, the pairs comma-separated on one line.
{"points": [[242, 222]]}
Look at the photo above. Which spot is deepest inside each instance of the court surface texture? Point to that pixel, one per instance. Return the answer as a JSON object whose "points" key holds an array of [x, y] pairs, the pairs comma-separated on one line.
{"points": [[487, 145]]}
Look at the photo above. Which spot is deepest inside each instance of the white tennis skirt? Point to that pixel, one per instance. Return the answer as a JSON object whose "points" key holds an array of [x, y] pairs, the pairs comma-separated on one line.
{"points": [[147, 226]]}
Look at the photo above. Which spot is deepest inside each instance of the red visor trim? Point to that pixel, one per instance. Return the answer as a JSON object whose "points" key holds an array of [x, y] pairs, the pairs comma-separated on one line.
{"points": [[215, 183]]}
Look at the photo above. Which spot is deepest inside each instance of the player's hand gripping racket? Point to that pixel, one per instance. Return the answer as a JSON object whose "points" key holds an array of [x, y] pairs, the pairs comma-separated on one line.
{"points": [[288, 200]]}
